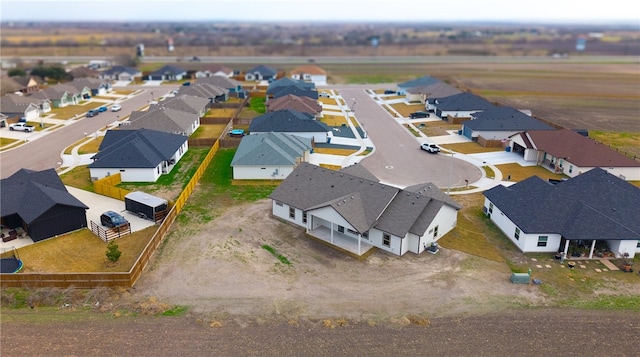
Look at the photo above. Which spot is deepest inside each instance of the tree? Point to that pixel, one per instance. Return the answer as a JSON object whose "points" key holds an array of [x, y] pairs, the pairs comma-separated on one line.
{"points": [[16, 72], [113, 252], [55, 72]]}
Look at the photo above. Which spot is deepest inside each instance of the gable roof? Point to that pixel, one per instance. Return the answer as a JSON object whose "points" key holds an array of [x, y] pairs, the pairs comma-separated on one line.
{"points": [[359, 171], [462, 102], [163, 119], [290, 101], [220, 81], [185, 103], [363, 203], [309, 69], [169, 69], [122, 69], [435, 90], [504, 119], [203, 90], [592, 204], [288, 121], [270, 149], [91, 83], [142, 148], [294, 90], [31, 193], [577, 149], [216, 67], [263, 70], [422, 81], [15, 104], [289, 82]]}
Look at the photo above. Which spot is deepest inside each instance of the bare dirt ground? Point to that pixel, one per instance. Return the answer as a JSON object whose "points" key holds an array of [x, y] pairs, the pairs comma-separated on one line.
{"points": [[220, 269]]}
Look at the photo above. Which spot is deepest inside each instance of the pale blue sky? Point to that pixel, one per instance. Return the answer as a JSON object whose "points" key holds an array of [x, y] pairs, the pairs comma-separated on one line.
{"points": [[584, 11]]}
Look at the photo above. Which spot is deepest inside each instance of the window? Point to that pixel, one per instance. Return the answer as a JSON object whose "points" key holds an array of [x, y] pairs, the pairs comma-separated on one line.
{"points": [[292, 212], [517, 234], [341, 229], [435, 232], [638, 246], [490, 208], [279, 204], [352, 232], [386, 240], [365, 235], [570, 168], [542, 241], [304, 217]]}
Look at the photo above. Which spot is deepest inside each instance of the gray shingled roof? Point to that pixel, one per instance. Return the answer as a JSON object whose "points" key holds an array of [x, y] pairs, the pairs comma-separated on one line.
{"points": [[365, 204], [360, 171], [263, 70], [121, 69], [504, 119], [463, 102], [422, 81], [141, 148], [10, 105], [186, 103], [289, 82], [220, 81], [169, 69], [203, 90], [31, 193], [293, 90], [592, 205], [287, 121], [163, 119], [435, 90], [270, 149]]}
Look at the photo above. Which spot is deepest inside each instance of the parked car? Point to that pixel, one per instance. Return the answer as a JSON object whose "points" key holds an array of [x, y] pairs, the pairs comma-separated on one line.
{"points": [[323, 95], [431, 148], [389, 91], [116, 108], [112, 219], [416, 115], [92, 113], [186, 84], [102, 109], [21, 127]]}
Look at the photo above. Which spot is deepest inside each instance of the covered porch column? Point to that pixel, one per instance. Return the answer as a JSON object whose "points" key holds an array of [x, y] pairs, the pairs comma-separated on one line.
{"points": [[359, 238], [593, 246], [566, 247], [331, 232]]}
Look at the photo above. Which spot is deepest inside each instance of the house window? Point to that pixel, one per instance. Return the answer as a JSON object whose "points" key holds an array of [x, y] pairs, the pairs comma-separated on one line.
{"points": [[490, 208], [279, 204], [304, 217], [121, 170], [570, 168], [435, 232], [386, 240], [517, 234], [158, 169], [341, 229], [352, 232], [638, 245], [292, 213], [542, 241], [365, 235]]}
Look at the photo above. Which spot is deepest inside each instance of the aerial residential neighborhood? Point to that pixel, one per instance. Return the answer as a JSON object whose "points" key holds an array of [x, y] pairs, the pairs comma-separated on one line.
{"points": [[320, 179]]}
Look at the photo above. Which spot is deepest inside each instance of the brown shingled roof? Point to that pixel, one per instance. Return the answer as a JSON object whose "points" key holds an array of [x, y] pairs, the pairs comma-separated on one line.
{"points": [[309, 69], [290, 101]]}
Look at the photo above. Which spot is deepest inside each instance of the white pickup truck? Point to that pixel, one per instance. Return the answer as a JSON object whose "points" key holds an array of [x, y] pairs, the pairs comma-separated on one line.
{"points": [[21, 127]]}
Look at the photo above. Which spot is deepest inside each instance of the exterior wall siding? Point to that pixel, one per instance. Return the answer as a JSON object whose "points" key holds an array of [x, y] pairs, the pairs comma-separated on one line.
{"points": [[129, 175], [261, 172], [619, 247]]}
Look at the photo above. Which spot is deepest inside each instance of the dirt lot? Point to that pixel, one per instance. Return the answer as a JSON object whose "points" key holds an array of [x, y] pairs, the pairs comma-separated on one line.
{"points": [[221, 269]]}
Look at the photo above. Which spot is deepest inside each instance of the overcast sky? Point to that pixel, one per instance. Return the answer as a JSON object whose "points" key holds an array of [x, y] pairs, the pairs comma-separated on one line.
{"points": [[583, 11]]}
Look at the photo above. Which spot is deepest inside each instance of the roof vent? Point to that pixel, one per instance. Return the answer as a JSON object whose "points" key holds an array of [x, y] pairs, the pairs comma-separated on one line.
{"points": [[354, 197], [331, 186]]}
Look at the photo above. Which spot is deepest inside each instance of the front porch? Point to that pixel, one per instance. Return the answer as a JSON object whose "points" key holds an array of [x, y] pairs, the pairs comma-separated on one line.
{"points": [[358, 248]]}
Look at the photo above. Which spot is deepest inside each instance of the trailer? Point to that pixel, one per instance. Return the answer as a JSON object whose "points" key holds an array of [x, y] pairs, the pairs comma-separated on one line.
{"points": [[146, 206]]}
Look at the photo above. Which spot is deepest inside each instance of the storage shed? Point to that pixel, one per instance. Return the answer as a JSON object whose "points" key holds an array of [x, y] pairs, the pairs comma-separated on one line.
{"points": [[146, 206]]}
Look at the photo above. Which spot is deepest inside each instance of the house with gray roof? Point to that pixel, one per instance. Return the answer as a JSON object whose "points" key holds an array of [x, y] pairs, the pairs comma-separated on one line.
{"points": [[39, 203], [261, 73], [141, 155], [287, 86], [212, 92], [292, 122], [234, 87], [164, 119], [567, 152], [95, 85], [59, 95], [13, 105], [269, 156], [356, 215], [429, 93], [120, 73], [499, 123], [418, 82], [584, 216], [168, 73], [460, 105], [186, 103]]}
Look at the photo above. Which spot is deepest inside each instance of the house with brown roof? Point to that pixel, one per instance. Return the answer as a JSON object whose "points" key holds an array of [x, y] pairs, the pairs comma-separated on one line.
{"points": [[310, 73], [356, 214], [567, 152], [293, 102]]}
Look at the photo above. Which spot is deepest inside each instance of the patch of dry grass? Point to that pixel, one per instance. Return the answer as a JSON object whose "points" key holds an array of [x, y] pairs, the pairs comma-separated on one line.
{"points": [[436, 128], [406, 109], [82, 251], [221, 112], [469, 148], [7, 141], [333, 120], [327, 101], [332, 151], [71, 111], [331, 167], [78, 177], [519, 173], [91, 146], [208, 131], [628, 143]]}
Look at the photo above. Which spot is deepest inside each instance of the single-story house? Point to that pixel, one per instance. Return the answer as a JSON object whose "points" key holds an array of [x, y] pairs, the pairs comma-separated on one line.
{"points": [[168, 73], [567, 152], [499, 123], [460, 105], [120, 73], [292, 122], [163, 119], [233, 86], [418, 82], [429, 93], [269, 156], [76, 90], [23, 106], [310, 73], [582, 216], [293, 102], [141, 155], [211, 92], [39, 203], [356, 214], [96, 86], [286, 86], [23, 84], [212, 70], [59, 96], [261, 73], [186, 103]]}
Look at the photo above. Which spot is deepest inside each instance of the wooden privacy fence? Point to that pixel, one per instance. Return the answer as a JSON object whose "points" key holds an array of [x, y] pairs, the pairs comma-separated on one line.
{"points": [[106, 187], [110, 234], [120, 279]]}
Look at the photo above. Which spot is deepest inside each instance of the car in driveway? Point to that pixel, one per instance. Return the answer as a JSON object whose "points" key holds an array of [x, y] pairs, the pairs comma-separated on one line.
{"points": [[389, 91], [112, 219], [116, 108], [416, 115], [430, 148], [92, 113]]}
